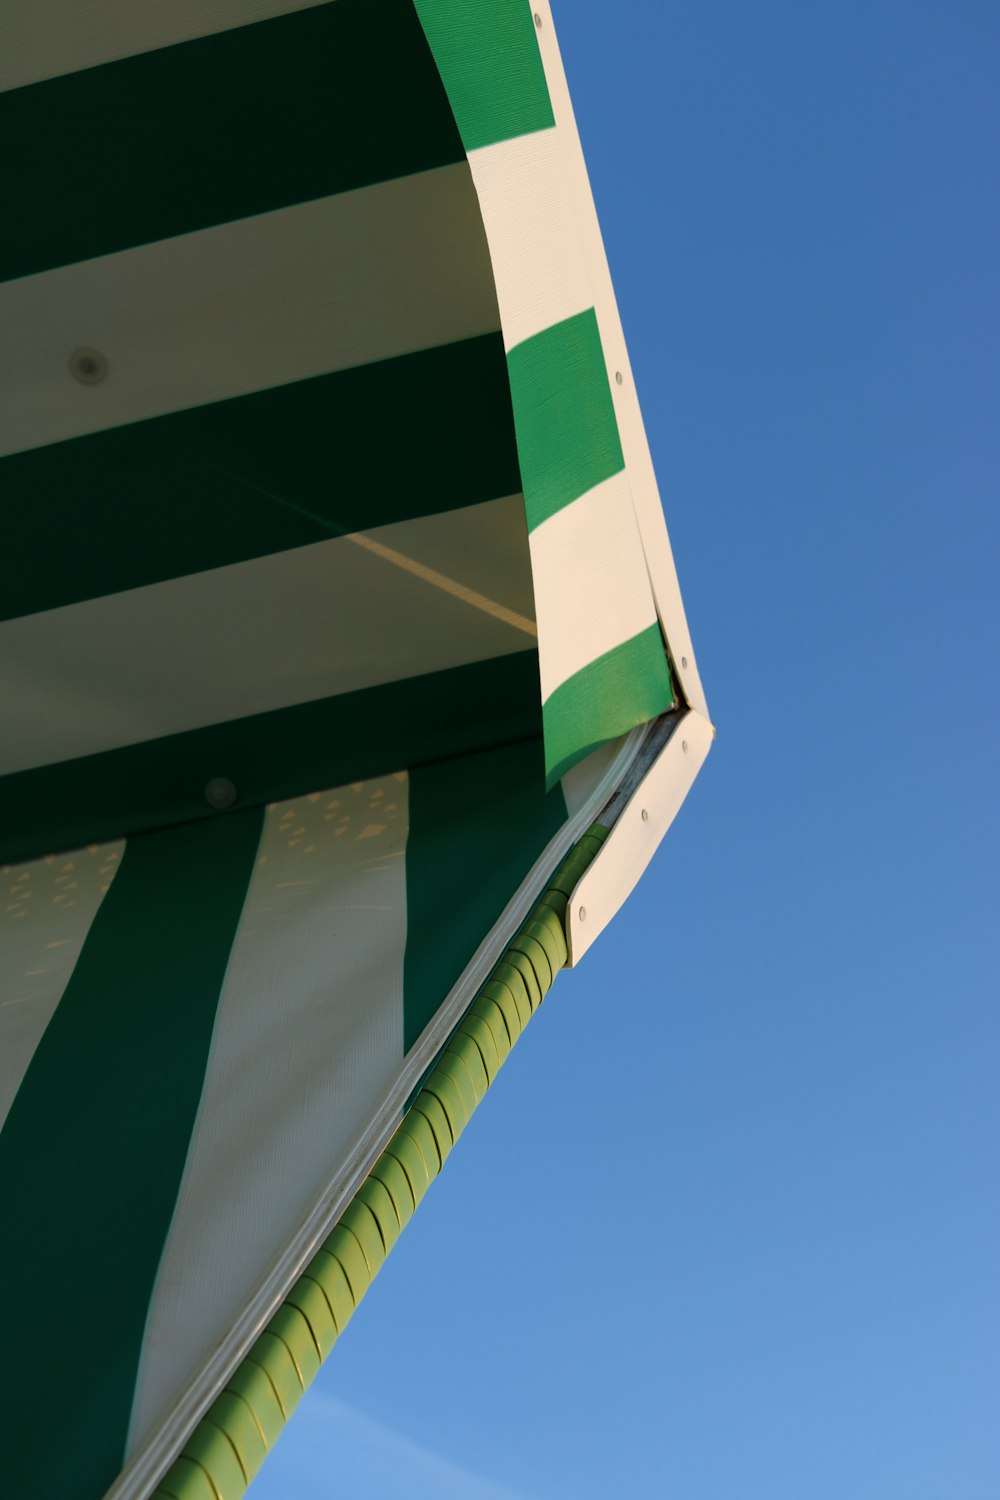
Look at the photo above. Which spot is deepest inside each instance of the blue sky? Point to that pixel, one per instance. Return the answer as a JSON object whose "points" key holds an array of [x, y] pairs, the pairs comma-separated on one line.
{"points": [[728, 1222]]}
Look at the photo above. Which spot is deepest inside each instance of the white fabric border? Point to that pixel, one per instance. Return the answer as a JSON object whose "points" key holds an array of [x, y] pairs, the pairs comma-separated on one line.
{"points": [[638, 462]]}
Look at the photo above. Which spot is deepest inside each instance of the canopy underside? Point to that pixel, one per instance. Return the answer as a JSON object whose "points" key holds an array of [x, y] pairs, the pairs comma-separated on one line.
{"points": [[321, 469]]}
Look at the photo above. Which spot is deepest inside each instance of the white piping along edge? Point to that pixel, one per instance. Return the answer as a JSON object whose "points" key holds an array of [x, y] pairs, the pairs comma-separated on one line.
{"points": [[152, 1460]]}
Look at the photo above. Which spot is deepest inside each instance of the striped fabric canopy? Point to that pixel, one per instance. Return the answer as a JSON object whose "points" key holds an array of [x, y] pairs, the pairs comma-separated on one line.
{"points": [[337, 599]]}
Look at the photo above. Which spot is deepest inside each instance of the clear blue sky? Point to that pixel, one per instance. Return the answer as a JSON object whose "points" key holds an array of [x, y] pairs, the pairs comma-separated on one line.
{"points": [[727, 1224]]}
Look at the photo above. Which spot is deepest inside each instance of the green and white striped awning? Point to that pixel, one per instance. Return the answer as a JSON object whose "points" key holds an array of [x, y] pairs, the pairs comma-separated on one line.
{"points": [[337, 600]]}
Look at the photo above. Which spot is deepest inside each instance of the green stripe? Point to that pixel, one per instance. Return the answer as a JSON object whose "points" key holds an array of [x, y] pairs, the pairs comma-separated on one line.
{"points": [[271, 756], [223, 483], [487, 54], [94, 1147], [238, 123], [626, 686], [567, 435], [477, 825]]}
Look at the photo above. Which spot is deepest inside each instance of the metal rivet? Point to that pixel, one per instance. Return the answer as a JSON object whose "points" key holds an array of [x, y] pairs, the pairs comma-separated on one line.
{"points": [[88, 366], [582, 914], [684, 746], [619, 377], [219, 792], [684, 661], [645, 815], [538, 21]]}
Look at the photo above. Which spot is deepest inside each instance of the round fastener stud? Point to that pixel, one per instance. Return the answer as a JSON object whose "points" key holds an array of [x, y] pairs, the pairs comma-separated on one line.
{"points": [[684, 662], [582, 914], [645, 815], [538, 21], [684, 746], [220, 793], [88, 366], [619, 377]]}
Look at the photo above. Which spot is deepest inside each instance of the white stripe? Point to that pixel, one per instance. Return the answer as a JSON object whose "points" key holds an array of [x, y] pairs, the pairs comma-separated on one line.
{"points": [[531, 229], [46, 909], [321, 286], [591, 587], [266, 634], [307, 1039], [46, 38], [652, 805]]}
